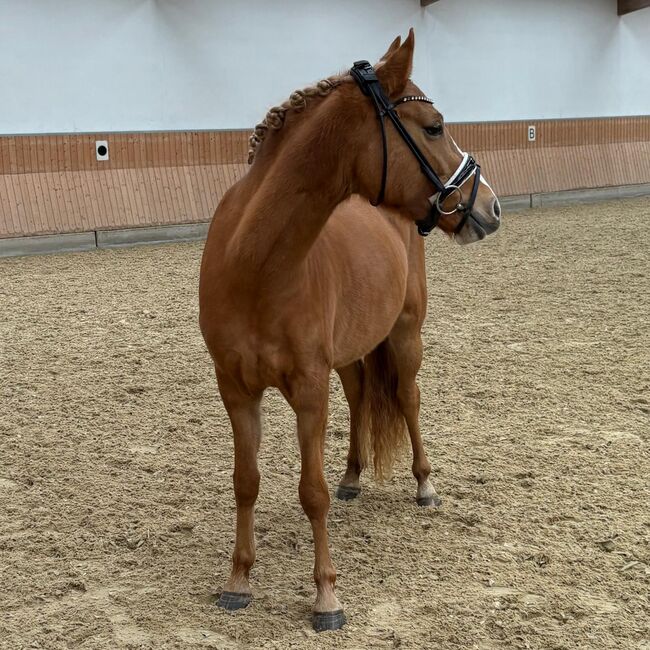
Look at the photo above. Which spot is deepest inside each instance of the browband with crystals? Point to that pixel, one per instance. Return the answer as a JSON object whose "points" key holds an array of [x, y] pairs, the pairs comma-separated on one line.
{"points": [[413, 98]]}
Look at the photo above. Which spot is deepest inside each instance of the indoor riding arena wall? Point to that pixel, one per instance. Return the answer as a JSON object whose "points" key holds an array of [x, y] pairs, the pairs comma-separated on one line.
{"points": [[175, 89], [54, 184]]}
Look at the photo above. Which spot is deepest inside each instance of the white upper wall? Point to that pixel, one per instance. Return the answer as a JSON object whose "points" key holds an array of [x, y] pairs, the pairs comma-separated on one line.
{"points": [[131, 65]]}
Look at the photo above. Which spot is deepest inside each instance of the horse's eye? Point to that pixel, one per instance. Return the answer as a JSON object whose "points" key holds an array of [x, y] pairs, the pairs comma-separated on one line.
{"points": [[433, 130]]}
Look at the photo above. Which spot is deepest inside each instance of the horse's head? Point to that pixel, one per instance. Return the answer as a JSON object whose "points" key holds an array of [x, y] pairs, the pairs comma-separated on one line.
{"points": [[418, 169]]}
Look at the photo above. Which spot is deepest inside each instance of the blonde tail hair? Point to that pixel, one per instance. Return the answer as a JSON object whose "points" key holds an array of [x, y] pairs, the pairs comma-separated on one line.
{"points": [[382, 428]]}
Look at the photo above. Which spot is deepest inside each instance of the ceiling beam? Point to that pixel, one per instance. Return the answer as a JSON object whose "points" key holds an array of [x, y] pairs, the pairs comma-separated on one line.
{"points": [[628, 6], [624, 6]]}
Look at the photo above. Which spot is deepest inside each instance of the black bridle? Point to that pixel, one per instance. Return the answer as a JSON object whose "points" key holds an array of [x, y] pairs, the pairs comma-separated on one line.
{"points": [[366, 77]]}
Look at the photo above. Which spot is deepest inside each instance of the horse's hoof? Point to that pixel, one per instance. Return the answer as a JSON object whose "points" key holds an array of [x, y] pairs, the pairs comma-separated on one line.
{"points": [[328, 620], [345, 493], [433, 501], [232, 601]]}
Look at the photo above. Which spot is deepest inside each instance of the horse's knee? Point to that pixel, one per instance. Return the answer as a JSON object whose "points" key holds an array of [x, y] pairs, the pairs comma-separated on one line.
{"points": [[247, 485], [314, 497]]}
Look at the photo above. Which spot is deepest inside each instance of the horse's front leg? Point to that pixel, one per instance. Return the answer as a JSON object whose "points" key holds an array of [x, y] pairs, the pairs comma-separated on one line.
{"points": [[308, 397], [244, 413]]}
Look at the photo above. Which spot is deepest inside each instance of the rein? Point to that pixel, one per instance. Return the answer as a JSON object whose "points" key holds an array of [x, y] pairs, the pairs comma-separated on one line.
{"points": [[366, 77]]}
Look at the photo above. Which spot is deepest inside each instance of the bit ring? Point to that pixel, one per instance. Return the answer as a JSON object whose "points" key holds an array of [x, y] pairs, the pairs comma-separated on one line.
{"points": [[446, 195]]}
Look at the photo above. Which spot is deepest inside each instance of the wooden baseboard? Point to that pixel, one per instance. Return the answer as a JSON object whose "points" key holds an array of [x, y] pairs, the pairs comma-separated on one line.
{"points": [[54, 184]]}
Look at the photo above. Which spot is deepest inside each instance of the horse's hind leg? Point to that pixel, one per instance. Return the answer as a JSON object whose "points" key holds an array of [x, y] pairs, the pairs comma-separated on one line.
{"points": [[352, 381], [244, 413], [406, 341]]}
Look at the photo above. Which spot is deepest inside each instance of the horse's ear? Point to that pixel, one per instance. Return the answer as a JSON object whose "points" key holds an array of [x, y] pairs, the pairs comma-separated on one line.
{"points": [[395, 70], [391, 48]]}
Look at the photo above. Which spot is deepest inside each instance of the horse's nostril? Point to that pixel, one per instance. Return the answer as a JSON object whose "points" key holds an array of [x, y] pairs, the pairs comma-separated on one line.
{"points": [[496, 207]]}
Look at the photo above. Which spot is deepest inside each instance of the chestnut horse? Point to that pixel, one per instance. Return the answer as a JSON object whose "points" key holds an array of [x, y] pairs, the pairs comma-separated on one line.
{"points": [[300, 277]]}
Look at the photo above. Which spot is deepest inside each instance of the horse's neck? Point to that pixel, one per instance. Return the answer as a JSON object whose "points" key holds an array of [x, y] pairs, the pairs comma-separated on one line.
{"points": [[288, 201]]}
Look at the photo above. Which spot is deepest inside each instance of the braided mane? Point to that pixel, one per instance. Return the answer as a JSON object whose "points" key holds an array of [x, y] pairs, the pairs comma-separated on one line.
{"points": [[297, 102]]}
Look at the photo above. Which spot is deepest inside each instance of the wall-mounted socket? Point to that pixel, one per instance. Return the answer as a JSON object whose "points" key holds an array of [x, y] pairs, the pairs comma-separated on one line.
{"points": [[101, 149], [532, 133]]}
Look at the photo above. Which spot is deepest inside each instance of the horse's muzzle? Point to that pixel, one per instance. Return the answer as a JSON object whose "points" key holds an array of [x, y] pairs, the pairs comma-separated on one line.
{"points": [[488, 223]]}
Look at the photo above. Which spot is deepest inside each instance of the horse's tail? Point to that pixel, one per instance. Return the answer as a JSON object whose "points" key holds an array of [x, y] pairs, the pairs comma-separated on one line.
{"points": [[381, 422]]}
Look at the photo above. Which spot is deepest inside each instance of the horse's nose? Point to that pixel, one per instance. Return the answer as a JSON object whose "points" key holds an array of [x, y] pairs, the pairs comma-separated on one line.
{"points": [[496, 209], [492, 222]]}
